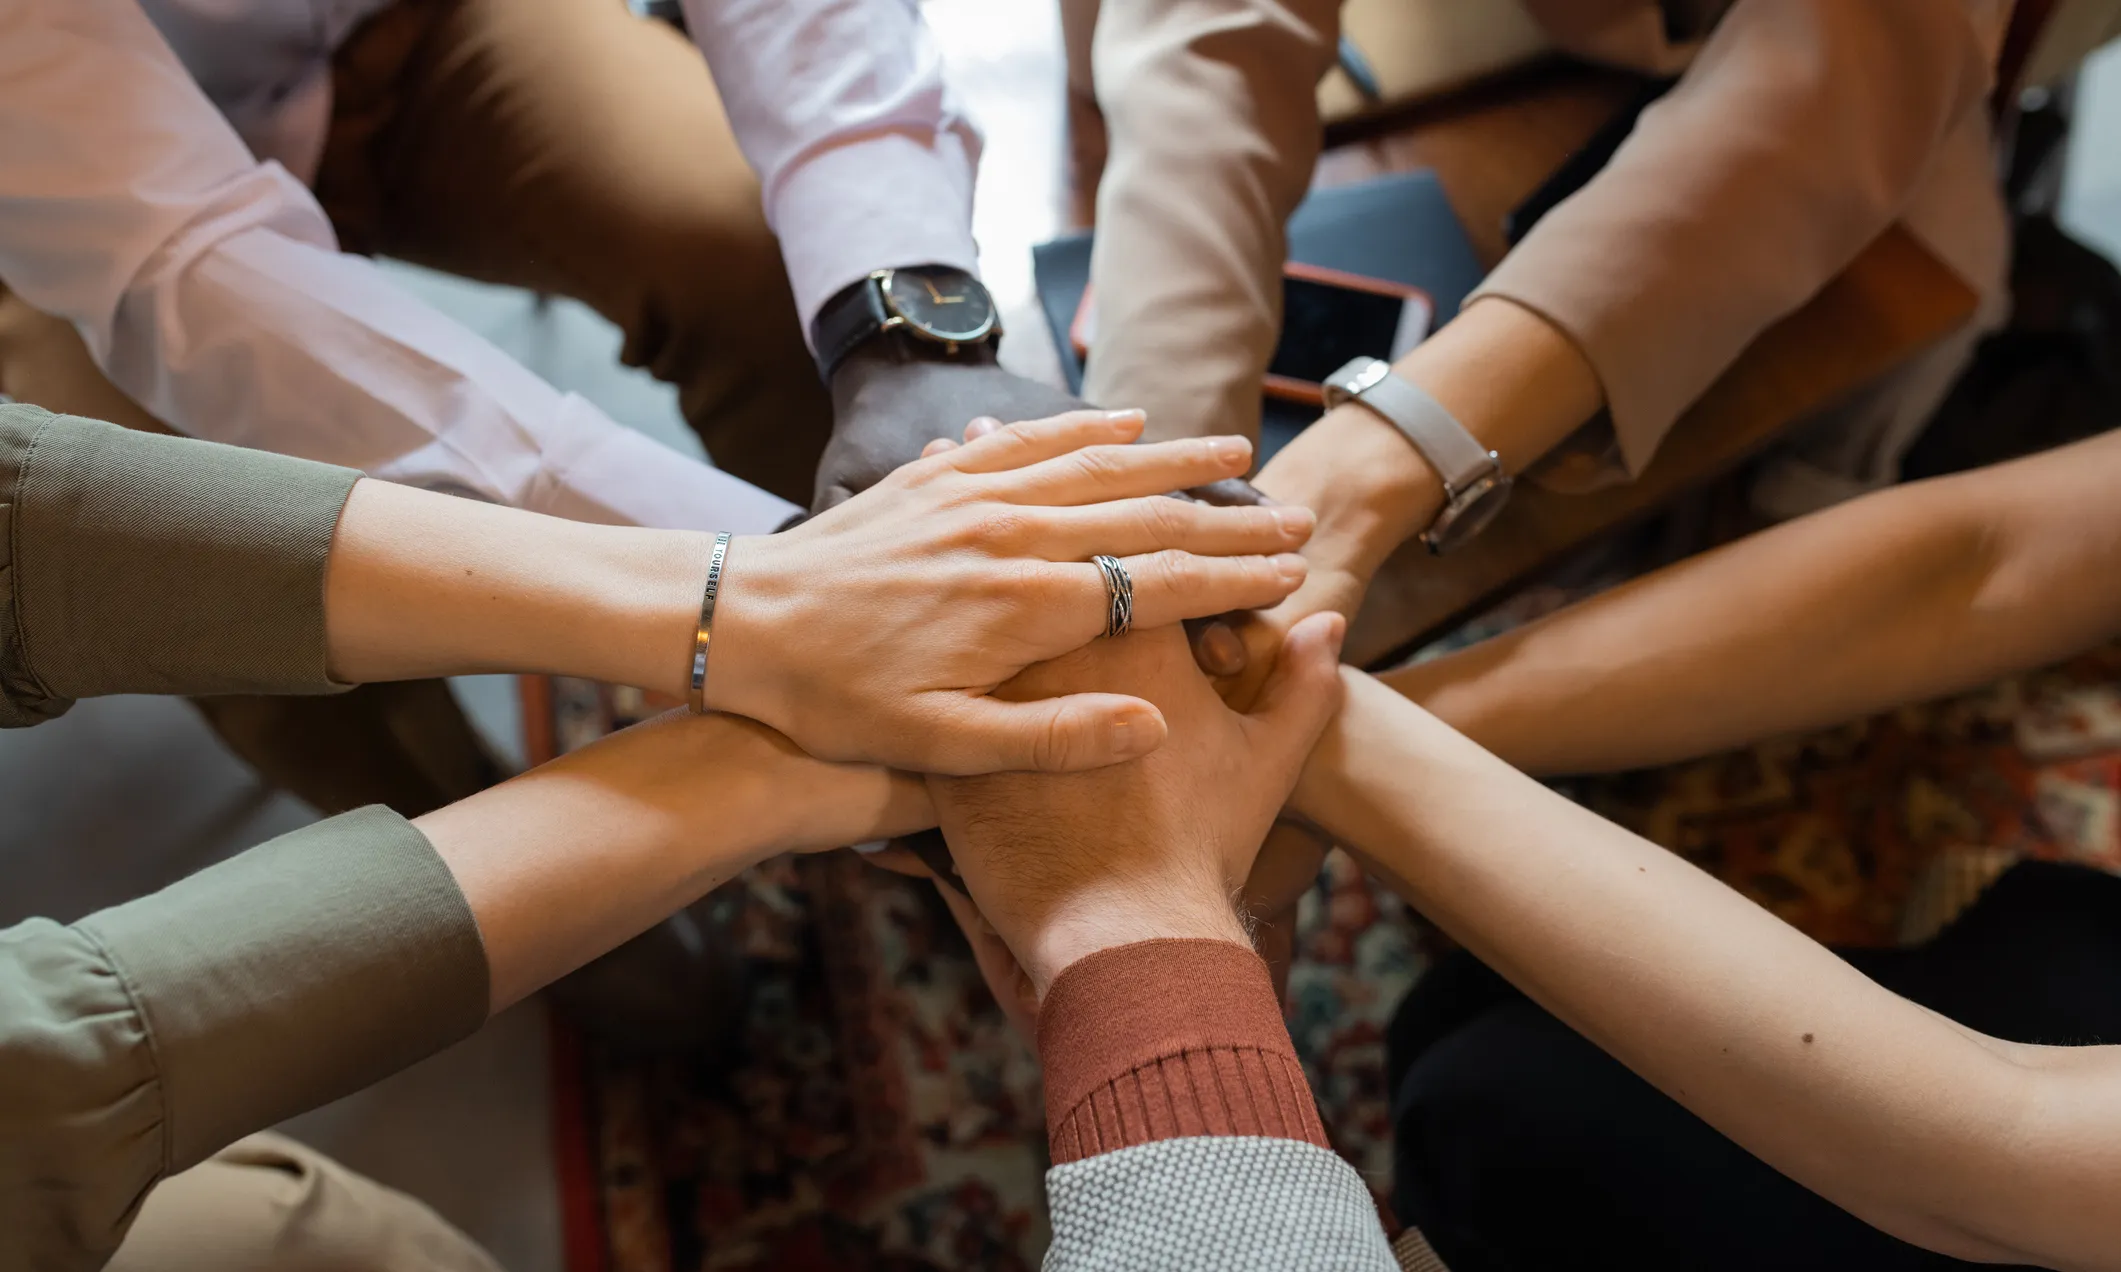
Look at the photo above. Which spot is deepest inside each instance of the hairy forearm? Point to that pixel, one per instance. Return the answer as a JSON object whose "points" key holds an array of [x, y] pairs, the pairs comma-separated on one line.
{"points": [[1897, 597], [424, 584], [576, 856], [1908, 1121]]}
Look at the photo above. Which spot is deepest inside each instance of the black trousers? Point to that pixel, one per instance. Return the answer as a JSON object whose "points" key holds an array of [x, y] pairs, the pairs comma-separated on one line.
{"points": [[1521, 1146]]}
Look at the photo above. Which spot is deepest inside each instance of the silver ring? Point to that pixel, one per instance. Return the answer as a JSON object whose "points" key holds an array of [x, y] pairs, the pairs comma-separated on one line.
{"points": [[1119, 592]]}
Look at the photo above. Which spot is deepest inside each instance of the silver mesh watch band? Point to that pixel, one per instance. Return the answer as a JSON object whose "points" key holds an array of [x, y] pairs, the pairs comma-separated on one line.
{"points": [[1456, 455]]}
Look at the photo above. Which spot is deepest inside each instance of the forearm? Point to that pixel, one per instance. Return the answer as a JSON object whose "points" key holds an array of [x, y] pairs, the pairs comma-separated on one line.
{"points": [[423, 584], [1211, 118], [1884, 1108], [575, 856], [1897, 597]]}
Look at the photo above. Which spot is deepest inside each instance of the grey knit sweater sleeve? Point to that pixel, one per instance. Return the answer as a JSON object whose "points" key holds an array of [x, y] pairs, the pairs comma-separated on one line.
{"points": [[1214, 1204]]}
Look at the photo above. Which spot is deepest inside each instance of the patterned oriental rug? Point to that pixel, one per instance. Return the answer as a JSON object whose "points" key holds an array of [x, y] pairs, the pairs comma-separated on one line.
{"points": [[886, 1117]]}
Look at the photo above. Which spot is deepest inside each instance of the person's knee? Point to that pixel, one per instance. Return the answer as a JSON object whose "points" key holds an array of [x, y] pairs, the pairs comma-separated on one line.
{"points": [[268, 1204]]}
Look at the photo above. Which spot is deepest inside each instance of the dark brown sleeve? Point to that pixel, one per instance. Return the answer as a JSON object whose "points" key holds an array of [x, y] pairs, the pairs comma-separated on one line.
{"points": [[1167, 1040]]}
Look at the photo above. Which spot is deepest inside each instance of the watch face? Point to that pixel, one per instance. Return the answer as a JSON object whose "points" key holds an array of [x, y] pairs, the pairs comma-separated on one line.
{"points": [[942, 304]]}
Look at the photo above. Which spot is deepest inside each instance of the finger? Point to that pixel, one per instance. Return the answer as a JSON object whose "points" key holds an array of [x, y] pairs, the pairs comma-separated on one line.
{"points": [[1216, 647], [1094, 474], [1005, 978], [1131, 527], [980, 427], [1231, 492], [937, 447], [1303, 691], [1035, 441], [1048, 735], [898, 859], [1170, 587]]}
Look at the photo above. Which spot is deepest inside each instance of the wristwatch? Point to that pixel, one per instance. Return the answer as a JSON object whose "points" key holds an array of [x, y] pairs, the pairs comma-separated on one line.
{"points": [[933, 309], [1474, 485]]}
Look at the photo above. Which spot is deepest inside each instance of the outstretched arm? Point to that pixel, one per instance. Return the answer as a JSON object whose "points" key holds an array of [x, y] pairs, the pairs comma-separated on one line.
{"points": [[150, 564], [1961, 1143], [1903, 595]]}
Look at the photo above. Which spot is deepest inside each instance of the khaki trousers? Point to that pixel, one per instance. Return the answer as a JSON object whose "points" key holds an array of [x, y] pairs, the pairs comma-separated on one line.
{"points": [[268, 1204], [560, 145]]}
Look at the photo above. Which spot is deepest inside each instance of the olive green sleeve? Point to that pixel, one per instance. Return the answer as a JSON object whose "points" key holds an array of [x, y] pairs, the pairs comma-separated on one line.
{"points": [[146, 1037], [137, 563]]}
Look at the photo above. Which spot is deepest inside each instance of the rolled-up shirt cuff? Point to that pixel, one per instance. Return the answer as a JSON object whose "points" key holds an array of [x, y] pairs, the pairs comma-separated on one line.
{"points": [[1169, 1040], [298, 972], [889, 199]]}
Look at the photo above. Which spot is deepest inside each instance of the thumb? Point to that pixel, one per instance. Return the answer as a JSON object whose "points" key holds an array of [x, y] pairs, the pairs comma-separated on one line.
{"points": [[1303, 691], [1051, 735]]}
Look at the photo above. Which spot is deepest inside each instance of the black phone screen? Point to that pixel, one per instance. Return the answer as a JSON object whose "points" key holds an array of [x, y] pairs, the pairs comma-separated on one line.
{"points": [[1323, 326]]}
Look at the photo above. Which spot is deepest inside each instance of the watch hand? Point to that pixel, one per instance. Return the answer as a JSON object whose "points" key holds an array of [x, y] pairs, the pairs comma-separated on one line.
{"points": [[933, 294]]}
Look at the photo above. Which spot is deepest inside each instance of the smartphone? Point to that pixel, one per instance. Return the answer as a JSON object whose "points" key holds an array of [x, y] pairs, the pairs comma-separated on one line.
{"points": [[1328, 317]]}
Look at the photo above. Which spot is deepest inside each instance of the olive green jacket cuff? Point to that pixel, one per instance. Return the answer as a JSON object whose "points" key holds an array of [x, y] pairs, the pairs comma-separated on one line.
{"points": [[146, 1037], [138, 563]]}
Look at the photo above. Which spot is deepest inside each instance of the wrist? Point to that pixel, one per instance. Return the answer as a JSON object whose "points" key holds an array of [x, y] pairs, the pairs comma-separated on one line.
{"points": [[1128, 915], [1369, 487], [615, 604], [889, 356]]}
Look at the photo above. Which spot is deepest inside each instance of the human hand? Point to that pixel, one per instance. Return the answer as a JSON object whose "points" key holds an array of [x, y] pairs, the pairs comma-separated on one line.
{"points": [[1353, 538], [875, 631], [885, 411], [1062, 866]]}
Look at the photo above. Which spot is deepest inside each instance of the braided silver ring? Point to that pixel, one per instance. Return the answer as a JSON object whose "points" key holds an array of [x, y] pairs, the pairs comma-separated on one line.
{"points": [[1119, 592]]}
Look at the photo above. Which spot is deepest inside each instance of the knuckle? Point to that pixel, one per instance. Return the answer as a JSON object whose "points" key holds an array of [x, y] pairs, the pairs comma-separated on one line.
{"points": [[1167, 521], [1050, 743], [1181, 573], [1099, 463], [1000, 527]]}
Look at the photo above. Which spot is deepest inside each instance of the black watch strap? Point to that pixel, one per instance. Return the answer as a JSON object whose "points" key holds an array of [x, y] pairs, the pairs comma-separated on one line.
{"points": [[848, 319]]}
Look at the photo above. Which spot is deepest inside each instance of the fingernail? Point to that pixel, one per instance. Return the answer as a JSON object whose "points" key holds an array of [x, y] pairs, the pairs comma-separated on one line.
{"points": [[1229, 449], [980, 427], [1136, 733], [1222, 650], [1131, 413], [1337, 632], [1290, 568], [1295, 520]]}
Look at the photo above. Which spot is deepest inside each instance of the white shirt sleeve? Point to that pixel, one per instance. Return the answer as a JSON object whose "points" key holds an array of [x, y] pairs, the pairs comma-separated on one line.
{"points": [[865, 157], [210, 288]]}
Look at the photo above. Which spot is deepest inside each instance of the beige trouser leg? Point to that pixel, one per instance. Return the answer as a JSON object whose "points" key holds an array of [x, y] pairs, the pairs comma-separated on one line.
{"points": [[572, 148], [406, 744], [268, 1204]]}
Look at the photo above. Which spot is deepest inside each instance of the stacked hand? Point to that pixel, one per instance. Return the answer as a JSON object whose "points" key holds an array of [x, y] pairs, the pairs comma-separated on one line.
{"points": [[1060, 866], [876, 630]]}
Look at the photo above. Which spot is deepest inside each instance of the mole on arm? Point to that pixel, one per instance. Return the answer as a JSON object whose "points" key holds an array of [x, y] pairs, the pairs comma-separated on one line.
{"points": [[1808, 1038]]}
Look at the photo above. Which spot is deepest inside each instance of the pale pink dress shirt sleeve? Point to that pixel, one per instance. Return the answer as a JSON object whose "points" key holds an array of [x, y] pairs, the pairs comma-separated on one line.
{"points": [[865, 157], [209, 287]]}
